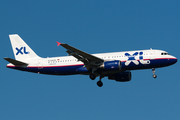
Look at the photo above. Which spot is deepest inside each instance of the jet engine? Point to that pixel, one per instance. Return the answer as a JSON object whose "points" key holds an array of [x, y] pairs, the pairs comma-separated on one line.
{"points": [[111, 65], [121, 77]]}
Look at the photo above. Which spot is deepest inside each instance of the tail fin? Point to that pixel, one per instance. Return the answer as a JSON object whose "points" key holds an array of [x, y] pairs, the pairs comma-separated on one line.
{"points": [[21, 50]]}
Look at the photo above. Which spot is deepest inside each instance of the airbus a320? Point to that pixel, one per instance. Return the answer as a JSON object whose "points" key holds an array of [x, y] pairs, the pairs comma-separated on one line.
{"points": [[115, 65]]}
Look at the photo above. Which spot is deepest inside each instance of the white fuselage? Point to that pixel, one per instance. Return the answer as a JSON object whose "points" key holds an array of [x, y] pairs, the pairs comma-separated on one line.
{"points": [[68, 64]]}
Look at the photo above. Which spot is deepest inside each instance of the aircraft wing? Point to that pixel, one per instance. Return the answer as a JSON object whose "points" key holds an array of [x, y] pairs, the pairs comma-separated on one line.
{"points": [[81, 55]]}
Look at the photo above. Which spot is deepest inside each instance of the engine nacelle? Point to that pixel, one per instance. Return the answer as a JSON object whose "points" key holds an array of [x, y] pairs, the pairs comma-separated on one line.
{"points": [[121, 77], [111, 65]]}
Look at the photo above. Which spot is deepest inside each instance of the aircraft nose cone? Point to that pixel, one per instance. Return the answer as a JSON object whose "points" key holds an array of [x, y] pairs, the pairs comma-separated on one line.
{"points": [[174, 60]]}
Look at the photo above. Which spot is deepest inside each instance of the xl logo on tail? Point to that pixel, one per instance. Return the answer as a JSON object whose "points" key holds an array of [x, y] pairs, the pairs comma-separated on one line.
{"points": [[20, 51]]}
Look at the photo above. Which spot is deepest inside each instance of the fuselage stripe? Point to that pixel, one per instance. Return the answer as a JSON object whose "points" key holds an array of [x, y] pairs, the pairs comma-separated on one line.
{"points": [[80, 64]]}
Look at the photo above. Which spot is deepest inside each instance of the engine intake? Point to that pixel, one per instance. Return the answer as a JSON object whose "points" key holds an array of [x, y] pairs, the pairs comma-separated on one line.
{"points": [[121, 77]]}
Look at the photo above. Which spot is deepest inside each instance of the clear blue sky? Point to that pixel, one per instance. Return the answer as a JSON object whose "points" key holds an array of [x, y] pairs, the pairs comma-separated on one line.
{"points": [[94, 26]]}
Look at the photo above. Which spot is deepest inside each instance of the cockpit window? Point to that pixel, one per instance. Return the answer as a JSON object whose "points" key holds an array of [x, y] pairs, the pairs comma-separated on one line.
{"points": [[164, 53]]}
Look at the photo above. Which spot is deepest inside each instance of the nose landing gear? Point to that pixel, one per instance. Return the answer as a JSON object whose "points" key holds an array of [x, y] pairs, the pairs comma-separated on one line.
{"points": [[154, 75]]}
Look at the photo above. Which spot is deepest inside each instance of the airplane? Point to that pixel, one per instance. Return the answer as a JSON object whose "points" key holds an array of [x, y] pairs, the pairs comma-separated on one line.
{"points": [[115, 65]]}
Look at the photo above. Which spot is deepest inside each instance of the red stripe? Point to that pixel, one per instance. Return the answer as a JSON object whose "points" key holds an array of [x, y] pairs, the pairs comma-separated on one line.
{"points": [[54, 66], [46, 66], [165, 58], [81, 64]]}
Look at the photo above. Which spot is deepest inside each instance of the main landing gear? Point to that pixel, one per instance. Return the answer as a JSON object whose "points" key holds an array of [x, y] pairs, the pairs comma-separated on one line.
{"points": [[154, 75], [99, 83], [93, 77]]}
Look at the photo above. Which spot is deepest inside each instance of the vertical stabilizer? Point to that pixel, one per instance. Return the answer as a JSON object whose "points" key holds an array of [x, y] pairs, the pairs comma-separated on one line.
{"points": [[21, 50]]}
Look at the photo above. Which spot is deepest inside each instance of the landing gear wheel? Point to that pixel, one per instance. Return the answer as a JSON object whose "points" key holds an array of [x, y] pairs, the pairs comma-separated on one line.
{"points": [[154, 76], [99, 83], [92, 76]]}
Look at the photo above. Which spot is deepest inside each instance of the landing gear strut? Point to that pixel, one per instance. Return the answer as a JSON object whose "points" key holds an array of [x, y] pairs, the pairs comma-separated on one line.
{"points": [[92, 75], [154, 75], [99, 83]]}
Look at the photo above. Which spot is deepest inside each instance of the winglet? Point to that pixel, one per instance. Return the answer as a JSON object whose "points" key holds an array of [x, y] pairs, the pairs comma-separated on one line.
{"points": [[58, 43]]}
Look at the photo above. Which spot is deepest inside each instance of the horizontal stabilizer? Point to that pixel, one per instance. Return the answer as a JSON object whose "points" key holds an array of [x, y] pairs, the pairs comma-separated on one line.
{"points": [[16, 62]]}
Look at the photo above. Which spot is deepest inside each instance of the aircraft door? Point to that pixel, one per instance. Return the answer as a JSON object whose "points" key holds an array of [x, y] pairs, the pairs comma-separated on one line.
{"points": [[40, 64], [152, 54]]}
